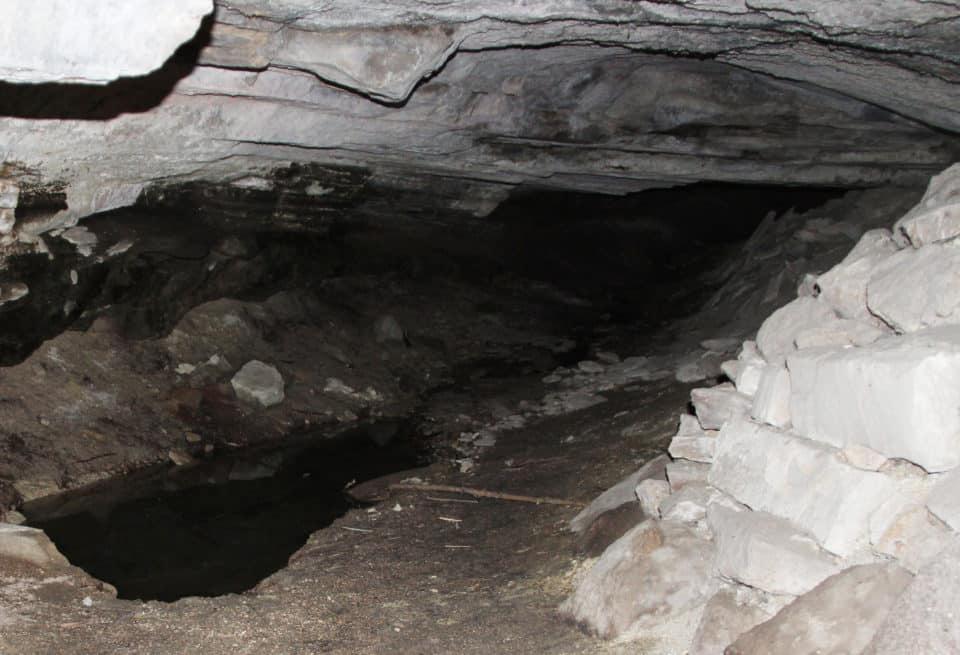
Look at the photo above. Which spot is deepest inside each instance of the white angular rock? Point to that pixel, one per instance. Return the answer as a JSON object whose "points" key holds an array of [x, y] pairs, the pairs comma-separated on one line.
{"points": [[937, 216], [841, 615], [258, 383], [620, 493], [916, 289], [766, 552], [944, 499], [898, 396], [924, 618], [653, 575], [771, 404], [799, 480], [682, 472], [777, 336], [729, 613], [689, 505], [862, 457], [844, 287], [751, 368], [842, 332], [731, 369], [651, 493], [914, 537], [717, 405], [692, 441], [29, 545]]}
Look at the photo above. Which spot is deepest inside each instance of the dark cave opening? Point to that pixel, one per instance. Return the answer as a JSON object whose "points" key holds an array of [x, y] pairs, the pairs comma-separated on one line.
{"points": [[579, 269]]}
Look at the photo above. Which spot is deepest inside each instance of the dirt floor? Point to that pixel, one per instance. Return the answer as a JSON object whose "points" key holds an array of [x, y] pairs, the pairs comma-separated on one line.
{"points": [[420, 572]]}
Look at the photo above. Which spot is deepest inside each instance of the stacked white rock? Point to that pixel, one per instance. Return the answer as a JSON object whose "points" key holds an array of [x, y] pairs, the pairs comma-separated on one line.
{"points": [[837, 445]]}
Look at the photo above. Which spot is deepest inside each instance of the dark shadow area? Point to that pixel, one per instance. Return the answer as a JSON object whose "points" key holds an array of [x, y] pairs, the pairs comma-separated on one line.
{"points": [[222, 525], [619, 251], [95, 102]]}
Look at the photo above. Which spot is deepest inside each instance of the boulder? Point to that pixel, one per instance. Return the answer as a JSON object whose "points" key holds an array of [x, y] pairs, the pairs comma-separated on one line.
{"points": [[652, 576], [29, 545], [937, 216], [844, 287], [771, 404], [898, 396], [729, 613], [839, 617], [917, 289], [799, 480], [692, 441], [258, 383], [619, 494], [924, 618], [777, 336], [717, 405], [766, 552]]}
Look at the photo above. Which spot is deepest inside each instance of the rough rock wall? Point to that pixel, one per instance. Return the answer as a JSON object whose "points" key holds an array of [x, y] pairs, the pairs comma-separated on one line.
{"points": [[613, 96]]}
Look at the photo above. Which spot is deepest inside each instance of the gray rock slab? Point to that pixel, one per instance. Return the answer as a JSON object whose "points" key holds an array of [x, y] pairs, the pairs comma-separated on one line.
{"points": [[924, 618], [692, 441], [767, 552], [916, 289], [729, 613], [839, 617], [937, 216], [844, 287], [771, 404], [715, 406], [620, 493], [682, 472]]}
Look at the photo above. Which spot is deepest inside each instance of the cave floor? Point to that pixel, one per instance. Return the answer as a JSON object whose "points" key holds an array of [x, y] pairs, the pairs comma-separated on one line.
{"points": [[420, 572]]}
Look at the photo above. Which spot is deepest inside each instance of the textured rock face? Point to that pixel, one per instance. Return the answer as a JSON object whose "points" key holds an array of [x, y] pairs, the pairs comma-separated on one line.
{"points": [[414, 95]]}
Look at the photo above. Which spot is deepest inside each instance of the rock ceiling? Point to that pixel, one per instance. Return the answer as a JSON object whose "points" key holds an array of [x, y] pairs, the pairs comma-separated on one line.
{"points": [[471, 97]]}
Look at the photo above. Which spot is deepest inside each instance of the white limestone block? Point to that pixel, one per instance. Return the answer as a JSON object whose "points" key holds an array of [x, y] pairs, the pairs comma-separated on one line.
{"points": [[731, 369], [916, 289], [799, 480], [682, 472], [844, 287], [937, 216], [777, 336], [717, 405], [771, 404], [692, 441], [944, 499], [766, 552], [898, 396], [651, 493], [751, 368]]}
